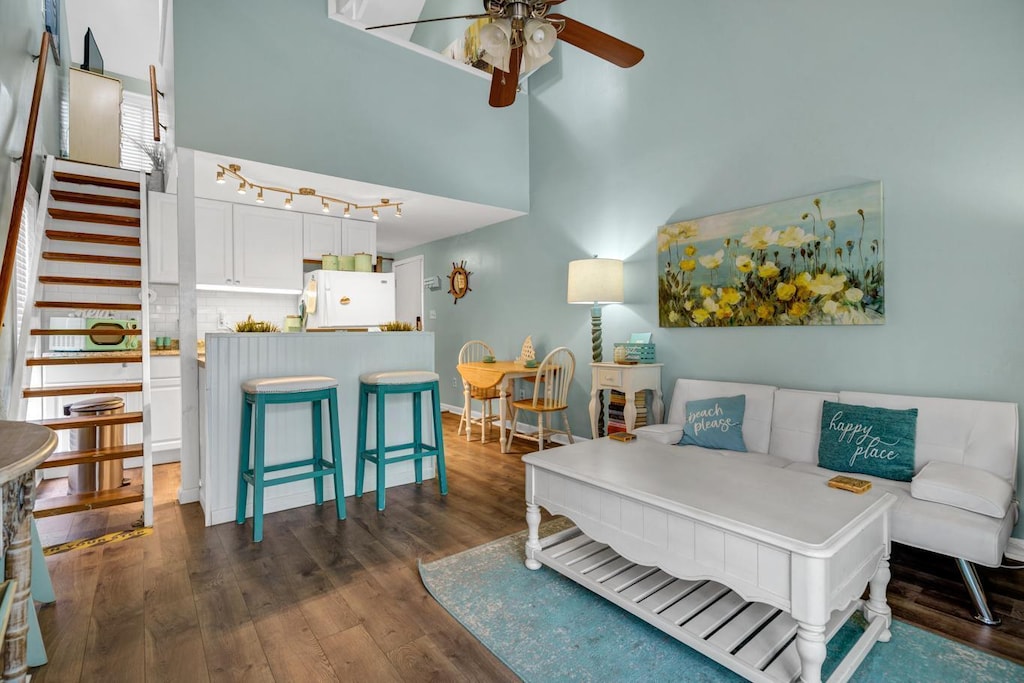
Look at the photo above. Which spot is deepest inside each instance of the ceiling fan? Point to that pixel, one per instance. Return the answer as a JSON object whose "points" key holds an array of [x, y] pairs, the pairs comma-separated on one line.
{"points": [[521, 36]]}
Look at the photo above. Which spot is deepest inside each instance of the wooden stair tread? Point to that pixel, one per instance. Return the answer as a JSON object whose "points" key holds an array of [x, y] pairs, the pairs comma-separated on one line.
{"points": [[88, 281], [93, 238], [83, 389], [113, 357], [93, 217], [94, 199], [79, 179], [80, 333], [91, 455], [92, 258], [77, 502], [88, 305], [90, 421]]}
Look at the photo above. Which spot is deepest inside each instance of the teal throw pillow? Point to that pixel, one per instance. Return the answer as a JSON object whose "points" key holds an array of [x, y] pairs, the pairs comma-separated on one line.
{"points": [[866, 440], [715, 423]]}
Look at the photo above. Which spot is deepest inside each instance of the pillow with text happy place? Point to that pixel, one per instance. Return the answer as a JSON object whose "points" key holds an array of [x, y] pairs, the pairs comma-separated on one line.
{"points": [[866, 440], [715, 423]]}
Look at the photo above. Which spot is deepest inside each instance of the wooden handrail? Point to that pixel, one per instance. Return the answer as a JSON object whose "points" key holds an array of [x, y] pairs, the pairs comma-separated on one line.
{"points": [[154, 102], [11, 249]]}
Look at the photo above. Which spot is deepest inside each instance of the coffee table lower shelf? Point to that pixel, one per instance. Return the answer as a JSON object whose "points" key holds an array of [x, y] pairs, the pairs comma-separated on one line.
{"points": [[753, 639]]}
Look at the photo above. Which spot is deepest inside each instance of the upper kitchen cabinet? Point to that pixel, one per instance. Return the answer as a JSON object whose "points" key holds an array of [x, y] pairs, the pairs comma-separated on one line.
{"points": [[214, 256], [268, 248], [359, 237], [163, 237], [320, 235]]}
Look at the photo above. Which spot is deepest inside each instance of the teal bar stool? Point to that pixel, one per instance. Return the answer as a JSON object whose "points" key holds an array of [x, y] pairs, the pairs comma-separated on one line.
{"points": [[381, 384], [258, 394]]}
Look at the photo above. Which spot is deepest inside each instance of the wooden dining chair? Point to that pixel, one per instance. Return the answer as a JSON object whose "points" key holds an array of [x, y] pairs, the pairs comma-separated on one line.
{"points": [[550, 396], [471, 352]]}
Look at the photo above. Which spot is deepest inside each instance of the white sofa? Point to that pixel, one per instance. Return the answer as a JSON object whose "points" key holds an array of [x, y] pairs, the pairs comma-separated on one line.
{"points": [[973, 445]]}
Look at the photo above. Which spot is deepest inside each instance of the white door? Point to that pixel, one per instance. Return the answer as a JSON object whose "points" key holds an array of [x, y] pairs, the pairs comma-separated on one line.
{"points": [[214, 257], [409, 289], [162, 224], [268, 248]]}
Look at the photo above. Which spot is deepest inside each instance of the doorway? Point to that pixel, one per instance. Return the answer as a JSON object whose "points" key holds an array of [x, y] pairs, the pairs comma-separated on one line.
{"points": [[409, 289]]}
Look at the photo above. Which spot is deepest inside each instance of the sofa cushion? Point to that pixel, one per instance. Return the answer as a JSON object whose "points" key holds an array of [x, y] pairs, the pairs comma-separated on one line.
{"points": [[757, 418], [715, 423], [964, 487], [667, 434], [980, 434], [934, 526], [796, 423], [868, 440]]}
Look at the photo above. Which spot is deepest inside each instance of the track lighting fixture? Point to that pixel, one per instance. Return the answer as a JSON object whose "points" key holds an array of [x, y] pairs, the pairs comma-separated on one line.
{"points": [[234, 171]]}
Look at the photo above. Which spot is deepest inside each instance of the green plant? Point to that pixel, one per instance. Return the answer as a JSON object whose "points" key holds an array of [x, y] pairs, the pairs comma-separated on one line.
{"points": [[250, 325], [396, 326]]}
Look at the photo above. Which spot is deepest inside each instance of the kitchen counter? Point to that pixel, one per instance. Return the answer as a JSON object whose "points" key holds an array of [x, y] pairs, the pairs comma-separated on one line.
{"points": [[232, 358]]}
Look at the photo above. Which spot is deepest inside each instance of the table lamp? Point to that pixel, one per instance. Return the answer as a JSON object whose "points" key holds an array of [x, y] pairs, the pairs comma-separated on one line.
{"points": [[596, 281]]}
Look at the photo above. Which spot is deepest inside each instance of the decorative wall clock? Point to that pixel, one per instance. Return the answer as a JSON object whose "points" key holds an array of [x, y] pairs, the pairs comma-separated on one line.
{"points": [[458, 281]]}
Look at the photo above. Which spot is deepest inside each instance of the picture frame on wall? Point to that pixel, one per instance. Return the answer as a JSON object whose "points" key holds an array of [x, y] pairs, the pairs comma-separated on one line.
{"points": [[812, 260]]}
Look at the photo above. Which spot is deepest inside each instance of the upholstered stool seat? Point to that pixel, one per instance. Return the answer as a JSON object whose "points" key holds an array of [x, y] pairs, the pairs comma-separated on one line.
{"points": [[257, 395], [380, 384]]}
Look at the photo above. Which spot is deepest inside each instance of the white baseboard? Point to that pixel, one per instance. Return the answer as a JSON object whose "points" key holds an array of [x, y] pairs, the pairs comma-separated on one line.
{"points": [[1015, 549], [529, 429]]}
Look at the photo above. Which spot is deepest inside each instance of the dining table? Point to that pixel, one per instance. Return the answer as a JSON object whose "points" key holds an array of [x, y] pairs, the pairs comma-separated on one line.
{"points": [[499, 373]]}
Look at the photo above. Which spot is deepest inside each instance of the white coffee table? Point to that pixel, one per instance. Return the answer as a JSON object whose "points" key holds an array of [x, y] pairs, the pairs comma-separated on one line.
{"points": [[754, 566]]}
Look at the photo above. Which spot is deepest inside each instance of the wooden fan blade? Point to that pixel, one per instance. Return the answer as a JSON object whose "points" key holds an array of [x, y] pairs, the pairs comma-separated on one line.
{"points": [[427, 21], [504, 85], [598, 43]]}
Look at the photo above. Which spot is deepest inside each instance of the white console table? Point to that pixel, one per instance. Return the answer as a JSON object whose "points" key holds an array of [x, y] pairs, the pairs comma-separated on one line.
{"points": [[628, 379]]}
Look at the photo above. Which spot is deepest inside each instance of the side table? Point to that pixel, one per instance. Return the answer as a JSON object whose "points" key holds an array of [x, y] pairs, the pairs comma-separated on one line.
{"points": [[628, 379], [25, 447]]}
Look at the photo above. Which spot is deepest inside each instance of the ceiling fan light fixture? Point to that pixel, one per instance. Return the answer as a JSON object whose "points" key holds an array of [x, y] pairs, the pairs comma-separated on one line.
{"points": [[540, 37], [496, 42]]}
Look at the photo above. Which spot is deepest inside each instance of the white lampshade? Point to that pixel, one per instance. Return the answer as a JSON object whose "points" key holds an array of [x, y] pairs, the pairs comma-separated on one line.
{"points": [[595, 281]]}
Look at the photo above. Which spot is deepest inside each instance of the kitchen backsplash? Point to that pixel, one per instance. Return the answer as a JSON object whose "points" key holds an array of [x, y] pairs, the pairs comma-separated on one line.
{"points": [[235, 306]]}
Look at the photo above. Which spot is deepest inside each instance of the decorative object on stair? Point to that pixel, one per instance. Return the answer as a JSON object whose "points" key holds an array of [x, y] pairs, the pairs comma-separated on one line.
{"points": [[596, 281], [548, 628], [244, 185], [521, 36]]}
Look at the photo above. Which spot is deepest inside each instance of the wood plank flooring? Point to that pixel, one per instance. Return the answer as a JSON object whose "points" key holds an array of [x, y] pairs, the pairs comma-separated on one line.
{"points": [[325, 600]]}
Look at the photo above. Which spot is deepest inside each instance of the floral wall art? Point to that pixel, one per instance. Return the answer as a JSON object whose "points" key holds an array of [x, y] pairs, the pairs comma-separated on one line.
{"points": [[814, 260]]}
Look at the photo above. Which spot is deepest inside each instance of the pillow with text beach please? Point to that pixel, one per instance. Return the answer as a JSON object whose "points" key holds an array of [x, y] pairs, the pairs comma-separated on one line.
{"points": [[715, 423], [867, 440]]}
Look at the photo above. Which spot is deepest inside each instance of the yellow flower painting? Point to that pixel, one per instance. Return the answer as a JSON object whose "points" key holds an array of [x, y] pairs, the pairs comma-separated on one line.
{"points": [[814, 260]]}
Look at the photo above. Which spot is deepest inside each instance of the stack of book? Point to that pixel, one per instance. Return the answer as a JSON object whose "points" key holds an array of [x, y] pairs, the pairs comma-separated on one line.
{"points": [[616, 405]]}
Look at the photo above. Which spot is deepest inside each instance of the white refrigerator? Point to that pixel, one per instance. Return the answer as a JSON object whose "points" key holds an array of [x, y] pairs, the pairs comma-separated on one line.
{"points": [[341, 298]]}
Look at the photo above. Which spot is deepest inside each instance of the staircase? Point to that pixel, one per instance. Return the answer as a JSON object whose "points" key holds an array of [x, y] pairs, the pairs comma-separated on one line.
{"points": [[92, 264]]}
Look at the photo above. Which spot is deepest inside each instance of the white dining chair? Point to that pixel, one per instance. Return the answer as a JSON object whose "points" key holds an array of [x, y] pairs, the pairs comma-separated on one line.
{"points": [[550, 395], [475, 351]]}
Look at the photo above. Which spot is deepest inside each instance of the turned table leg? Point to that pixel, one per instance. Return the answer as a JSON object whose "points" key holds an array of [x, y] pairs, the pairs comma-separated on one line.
{"points": [[533, 535], [17, 511], [810, 645], [876, 606]]}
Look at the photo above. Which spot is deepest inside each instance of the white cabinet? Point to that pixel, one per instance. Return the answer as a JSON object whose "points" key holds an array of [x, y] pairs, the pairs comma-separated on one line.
{"points": [[247, 246], [320, 235], [268, 248], [162, 222], [359, 236], [214, 256], [165, 404]]}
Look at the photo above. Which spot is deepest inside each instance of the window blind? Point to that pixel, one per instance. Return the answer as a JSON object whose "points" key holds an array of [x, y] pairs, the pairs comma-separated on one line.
{"points": [[136, 132]]}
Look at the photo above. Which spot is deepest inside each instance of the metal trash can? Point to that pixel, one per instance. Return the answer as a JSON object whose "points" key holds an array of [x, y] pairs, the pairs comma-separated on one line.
{"points": [[99, 476]]}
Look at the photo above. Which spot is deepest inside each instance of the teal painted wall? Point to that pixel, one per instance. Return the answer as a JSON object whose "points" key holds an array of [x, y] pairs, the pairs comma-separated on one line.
{"points": [[742, 102], [437, 35], [279, 82]]}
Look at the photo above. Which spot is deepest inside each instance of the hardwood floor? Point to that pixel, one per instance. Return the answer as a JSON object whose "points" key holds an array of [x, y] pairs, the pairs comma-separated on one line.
{"points": [[320, 599]]}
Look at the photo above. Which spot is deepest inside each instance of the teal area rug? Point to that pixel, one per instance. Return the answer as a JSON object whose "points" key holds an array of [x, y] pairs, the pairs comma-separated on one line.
{"points": [[547, 628]]}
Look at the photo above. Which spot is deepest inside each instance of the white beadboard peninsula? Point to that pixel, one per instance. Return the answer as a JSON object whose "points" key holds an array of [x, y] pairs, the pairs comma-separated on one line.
{"points": [[233, 358]]}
